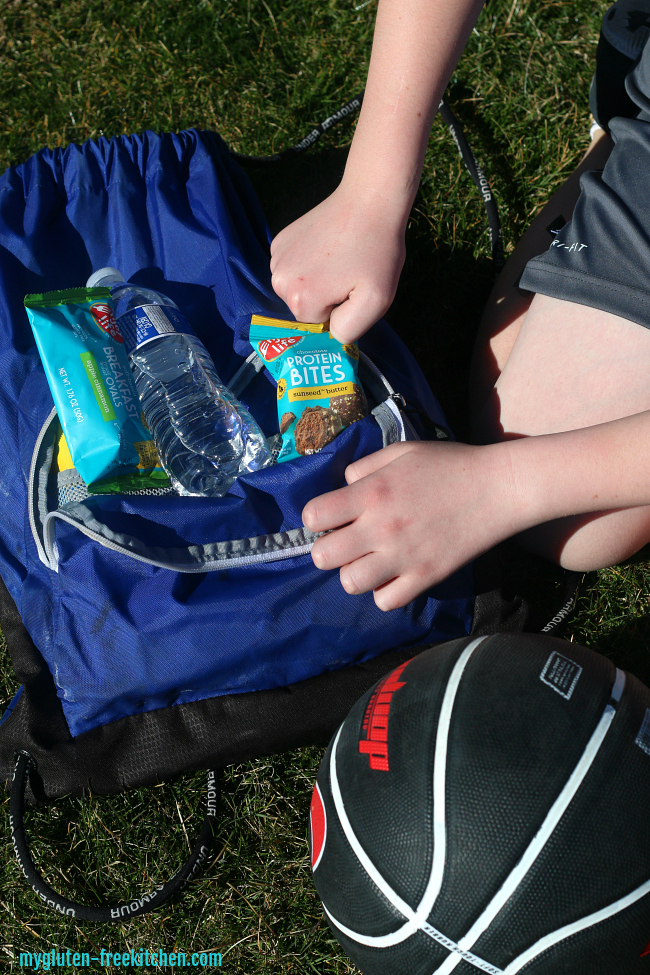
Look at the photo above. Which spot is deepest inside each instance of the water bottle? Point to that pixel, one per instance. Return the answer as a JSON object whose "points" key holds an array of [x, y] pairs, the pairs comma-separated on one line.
{"points": [[204, 436]]}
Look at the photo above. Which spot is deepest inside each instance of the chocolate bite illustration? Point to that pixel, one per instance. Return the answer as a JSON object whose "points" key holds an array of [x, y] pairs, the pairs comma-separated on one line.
{"points": [[351, 406], [315, 428], [286, 420]]}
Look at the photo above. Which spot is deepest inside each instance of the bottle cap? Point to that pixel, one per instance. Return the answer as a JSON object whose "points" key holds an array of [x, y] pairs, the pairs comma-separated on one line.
{"points": [[105, 277]]}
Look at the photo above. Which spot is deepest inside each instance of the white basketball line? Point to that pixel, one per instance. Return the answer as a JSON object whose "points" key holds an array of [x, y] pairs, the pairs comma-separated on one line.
{"points": [[619, 686], [442, 939], [586, 922], [435, 935], [415, 918], [544, 833], [391, 896], [439, 782]]}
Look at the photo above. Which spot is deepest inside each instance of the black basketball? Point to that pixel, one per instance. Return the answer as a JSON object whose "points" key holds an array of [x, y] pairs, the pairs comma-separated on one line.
{"points": [[486, 808]]}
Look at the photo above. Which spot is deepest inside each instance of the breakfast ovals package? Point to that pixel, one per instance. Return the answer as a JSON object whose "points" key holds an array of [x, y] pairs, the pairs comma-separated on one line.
{"points": [[94, 392], [319, 393]]}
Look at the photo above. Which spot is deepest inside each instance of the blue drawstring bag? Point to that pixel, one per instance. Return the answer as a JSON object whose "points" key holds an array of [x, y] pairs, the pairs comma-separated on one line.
{"points": [[140, 603], [155, 634]]}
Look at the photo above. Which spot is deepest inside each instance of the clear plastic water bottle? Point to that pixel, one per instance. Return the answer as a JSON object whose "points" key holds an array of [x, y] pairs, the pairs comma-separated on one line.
{"points": [[205, 437]]}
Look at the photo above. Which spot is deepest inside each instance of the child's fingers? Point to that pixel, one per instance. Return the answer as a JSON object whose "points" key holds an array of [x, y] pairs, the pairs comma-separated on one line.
{"points": [[341, 547], [396, 592], [345, 505], [364, 306], [307, 298], [374, 462], [365, 574], [331, 510]]}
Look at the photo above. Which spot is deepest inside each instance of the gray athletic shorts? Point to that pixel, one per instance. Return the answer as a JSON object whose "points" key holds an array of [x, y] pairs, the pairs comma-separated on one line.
{"points": [[601, 257]]}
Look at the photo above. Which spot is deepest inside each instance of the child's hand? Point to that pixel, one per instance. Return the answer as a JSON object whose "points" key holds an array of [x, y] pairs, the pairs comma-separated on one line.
{"points": [[411, 515], [341, 261]]}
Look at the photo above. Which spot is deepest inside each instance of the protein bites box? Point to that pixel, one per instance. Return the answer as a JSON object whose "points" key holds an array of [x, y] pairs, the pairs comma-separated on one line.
{"points": [[319, 393]]}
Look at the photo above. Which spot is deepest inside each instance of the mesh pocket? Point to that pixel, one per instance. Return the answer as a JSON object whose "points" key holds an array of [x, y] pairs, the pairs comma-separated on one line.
{"points": [[71, 488]]}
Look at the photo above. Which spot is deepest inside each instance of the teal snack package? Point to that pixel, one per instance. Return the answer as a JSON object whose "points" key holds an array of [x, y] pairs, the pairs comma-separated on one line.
{"points": [[94, 392], [319, 393]]}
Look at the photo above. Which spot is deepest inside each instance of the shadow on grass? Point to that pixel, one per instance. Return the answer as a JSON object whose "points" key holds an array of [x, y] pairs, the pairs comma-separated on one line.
{"points": [[489, 149], [621, 605], [627, 646], [294, 186]]}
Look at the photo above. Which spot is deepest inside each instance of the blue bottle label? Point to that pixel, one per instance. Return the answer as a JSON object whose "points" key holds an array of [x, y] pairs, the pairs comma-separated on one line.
{"points": [[148, 322]]}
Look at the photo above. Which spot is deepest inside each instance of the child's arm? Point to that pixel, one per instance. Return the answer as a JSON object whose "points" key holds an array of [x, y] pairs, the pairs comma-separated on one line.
{"points": [[342, 260], [415, 512]]}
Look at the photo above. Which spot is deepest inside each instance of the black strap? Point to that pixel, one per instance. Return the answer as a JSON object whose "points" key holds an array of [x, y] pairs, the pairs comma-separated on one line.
{"points": [[345, 111], [350, 108], [572, 584], [141, 904], [475, 171]]}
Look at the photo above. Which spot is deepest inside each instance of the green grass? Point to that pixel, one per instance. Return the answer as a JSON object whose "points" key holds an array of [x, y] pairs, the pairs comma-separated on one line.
{"points": [[261, 73]]}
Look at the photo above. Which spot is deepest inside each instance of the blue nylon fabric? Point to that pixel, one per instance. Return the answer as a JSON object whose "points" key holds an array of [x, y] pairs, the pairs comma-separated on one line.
{"points": [[175, 213]]}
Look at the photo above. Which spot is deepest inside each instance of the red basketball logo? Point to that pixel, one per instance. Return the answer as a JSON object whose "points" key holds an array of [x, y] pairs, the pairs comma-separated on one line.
{"points": [[375, 721], [103, 315], [317, 827], [646, 951]]}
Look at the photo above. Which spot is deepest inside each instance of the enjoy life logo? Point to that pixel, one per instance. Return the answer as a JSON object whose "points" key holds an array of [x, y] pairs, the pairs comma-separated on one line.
{"points": [[103, 315], [271, 348]]}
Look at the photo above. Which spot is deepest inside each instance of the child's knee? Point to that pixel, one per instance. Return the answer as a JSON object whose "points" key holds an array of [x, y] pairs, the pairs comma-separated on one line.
{"points": [[583, 543]]}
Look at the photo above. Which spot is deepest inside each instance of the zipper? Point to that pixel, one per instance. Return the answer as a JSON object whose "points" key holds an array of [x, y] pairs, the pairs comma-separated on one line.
{"points": [[368, 361], [208, 565], [395, 402], [42, 554]]}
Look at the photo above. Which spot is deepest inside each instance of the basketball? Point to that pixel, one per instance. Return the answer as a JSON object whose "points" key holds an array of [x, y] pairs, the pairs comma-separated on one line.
{"points": [[486, 808]]}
